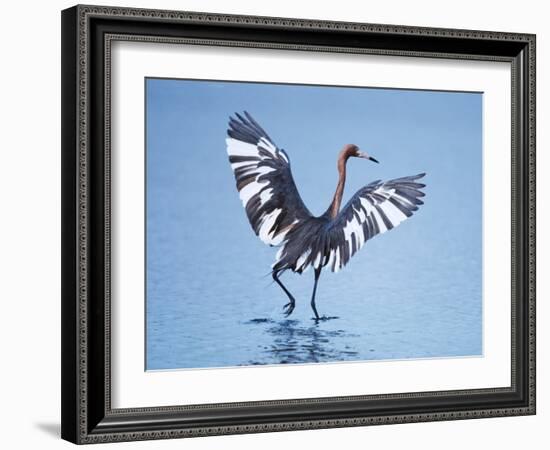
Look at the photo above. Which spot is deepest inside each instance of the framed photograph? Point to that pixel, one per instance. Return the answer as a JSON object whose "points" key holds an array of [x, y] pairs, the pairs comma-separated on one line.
{"points": [[280, 224]]}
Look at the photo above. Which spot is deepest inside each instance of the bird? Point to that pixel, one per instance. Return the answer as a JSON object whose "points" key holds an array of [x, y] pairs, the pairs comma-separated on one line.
{"points": [[280, 218]]}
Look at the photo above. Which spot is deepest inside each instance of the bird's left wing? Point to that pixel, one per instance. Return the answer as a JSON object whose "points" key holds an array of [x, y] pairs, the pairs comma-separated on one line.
{"points": [[374, 209], [264, 180]]}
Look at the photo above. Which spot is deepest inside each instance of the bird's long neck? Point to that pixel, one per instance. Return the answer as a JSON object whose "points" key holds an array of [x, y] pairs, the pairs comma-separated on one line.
{"points": [[334, 207]]}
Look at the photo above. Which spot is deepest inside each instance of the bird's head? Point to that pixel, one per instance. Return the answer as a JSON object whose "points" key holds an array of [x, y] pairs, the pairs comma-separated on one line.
{"points": [[351, 150]]}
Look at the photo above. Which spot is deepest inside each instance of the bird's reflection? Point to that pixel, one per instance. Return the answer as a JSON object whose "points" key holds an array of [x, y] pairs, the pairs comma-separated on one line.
{"points": [[295, 342]]}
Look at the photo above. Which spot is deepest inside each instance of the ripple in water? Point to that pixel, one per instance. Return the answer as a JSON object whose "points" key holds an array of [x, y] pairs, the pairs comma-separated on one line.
{"points": [[292, 342]]}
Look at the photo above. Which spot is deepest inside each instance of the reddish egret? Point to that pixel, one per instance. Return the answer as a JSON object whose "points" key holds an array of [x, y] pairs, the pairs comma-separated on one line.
{"points": [[279, 217]]}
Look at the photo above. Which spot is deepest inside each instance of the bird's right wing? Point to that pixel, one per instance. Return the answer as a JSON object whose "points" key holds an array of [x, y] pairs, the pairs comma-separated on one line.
{"points": [[374, 209], [264, 180]]}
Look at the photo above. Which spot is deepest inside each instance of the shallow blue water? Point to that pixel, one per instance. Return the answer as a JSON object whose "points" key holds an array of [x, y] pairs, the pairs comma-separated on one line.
{"points": [[414, 292]]}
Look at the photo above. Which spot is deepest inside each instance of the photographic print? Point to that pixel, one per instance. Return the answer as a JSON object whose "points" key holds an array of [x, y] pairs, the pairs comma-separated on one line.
{"points": [[334, 219], [298, 224]]}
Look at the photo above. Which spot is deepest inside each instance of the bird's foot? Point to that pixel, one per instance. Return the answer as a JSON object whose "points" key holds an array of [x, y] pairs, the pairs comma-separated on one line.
{"points": [[288, 308], [323, 318]]}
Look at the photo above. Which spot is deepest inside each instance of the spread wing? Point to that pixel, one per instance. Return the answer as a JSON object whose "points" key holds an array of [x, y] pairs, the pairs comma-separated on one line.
{"points": [[264, 180], [374, 209]]}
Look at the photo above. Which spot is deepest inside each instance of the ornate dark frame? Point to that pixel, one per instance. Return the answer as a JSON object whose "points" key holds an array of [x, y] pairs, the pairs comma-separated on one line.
{"points": [[87, 33]]}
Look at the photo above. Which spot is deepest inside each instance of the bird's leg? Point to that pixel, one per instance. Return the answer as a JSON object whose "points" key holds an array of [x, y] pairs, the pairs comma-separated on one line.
{"points": [[289, 307], [317, 273]]}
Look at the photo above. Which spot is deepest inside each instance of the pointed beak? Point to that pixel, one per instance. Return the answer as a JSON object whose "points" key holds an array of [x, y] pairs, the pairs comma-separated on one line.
{"points": [[366, 156]]}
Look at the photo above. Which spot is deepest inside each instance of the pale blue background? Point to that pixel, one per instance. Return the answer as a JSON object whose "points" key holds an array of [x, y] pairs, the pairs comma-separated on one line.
{"points": [[414, 292]]}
